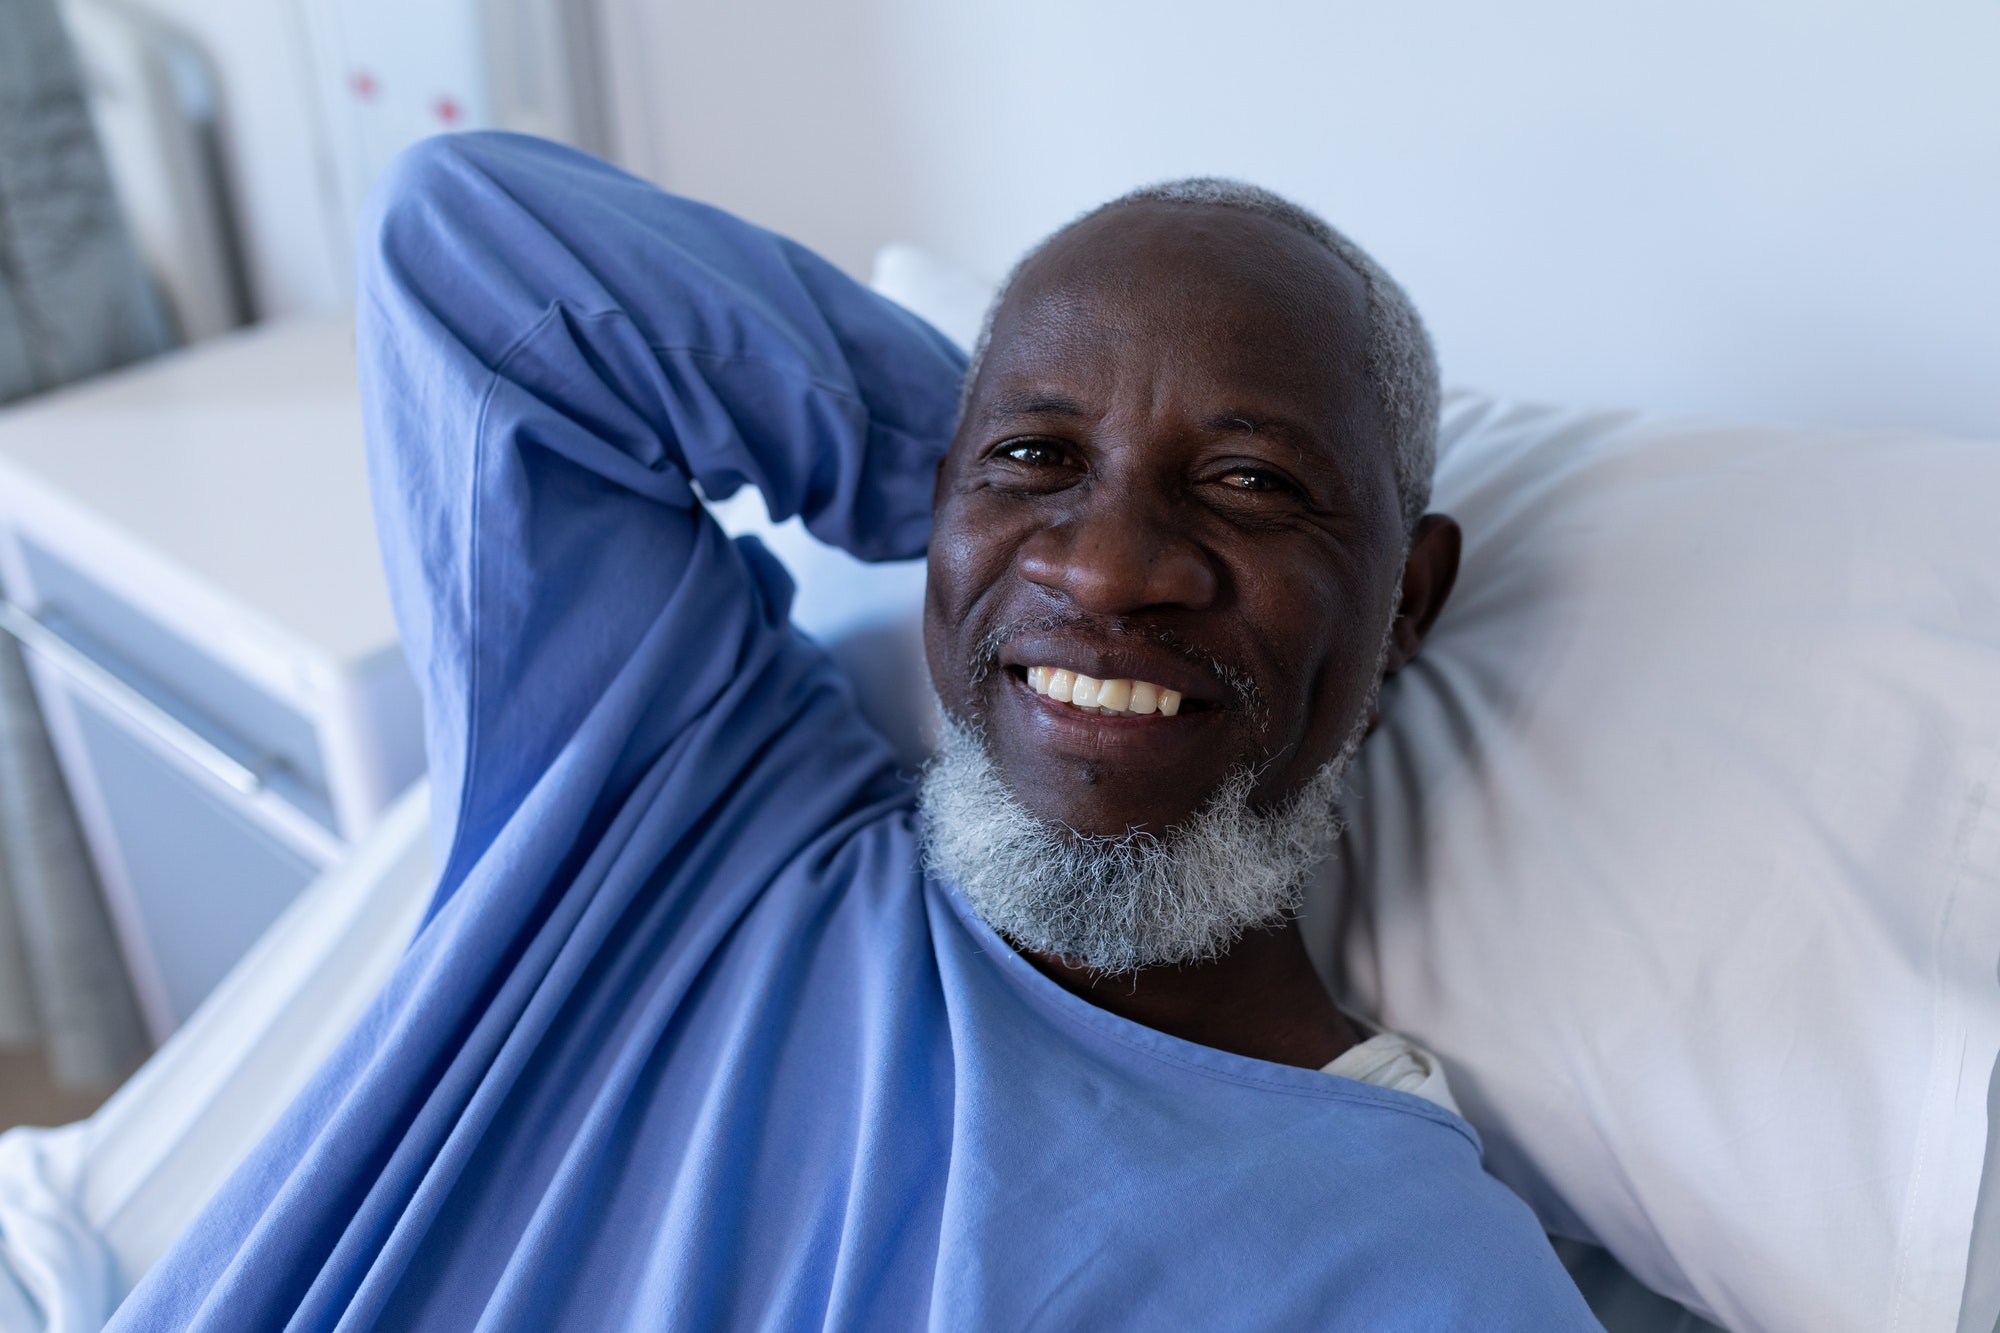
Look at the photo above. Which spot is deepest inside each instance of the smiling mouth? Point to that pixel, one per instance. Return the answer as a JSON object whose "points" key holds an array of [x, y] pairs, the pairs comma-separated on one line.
{"points": [[1114, 698]]}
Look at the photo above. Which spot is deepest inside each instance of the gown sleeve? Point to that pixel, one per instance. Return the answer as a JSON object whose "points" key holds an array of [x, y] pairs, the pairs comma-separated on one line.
{"points": [[551, 352]]}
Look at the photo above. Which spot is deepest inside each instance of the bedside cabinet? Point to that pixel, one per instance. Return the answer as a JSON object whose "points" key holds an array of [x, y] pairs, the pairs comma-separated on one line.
{"points": [[189, 562]]}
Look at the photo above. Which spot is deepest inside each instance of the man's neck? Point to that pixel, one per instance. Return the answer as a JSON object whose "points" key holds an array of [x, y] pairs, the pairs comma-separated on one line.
{"points": [[1262, 999]]}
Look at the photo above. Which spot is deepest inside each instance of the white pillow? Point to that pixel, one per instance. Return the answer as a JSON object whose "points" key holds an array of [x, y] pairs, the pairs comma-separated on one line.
{"points": [[1681, 844]]}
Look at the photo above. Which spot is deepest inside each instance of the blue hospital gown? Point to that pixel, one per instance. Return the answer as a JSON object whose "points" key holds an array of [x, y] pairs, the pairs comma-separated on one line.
{"points": [[688, 1040]]}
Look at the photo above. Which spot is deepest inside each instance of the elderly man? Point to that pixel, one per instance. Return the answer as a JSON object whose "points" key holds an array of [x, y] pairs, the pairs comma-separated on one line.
{"points": [[717, 1022]]}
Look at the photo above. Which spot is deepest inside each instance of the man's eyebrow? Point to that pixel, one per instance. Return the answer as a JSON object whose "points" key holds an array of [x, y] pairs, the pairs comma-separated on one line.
{"points": [[1033, 403], [1294, 433]]}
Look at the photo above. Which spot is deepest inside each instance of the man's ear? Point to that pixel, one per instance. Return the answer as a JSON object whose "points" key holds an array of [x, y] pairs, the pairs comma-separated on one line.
{"points": [[1429, 572]]}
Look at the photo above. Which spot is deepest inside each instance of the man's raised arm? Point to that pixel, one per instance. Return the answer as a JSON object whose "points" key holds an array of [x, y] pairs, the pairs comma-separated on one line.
{"points": [[551, 351]]}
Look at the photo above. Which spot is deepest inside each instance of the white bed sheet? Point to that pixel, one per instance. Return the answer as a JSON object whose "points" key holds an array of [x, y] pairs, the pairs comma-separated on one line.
{"points": [[87, 1208]]}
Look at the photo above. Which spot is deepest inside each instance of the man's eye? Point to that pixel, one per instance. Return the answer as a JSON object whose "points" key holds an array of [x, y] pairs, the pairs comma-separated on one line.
{"points": [[1251, 479], [1031, 453]]}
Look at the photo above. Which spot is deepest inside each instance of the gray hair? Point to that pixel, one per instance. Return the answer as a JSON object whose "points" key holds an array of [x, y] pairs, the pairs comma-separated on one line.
{"points": [[1118, 904], [1136, 900], [1401, 364]]}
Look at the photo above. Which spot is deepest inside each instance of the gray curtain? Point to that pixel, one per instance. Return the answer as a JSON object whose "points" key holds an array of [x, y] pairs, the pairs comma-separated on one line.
{"points": [[74, 300], [74, 296]]}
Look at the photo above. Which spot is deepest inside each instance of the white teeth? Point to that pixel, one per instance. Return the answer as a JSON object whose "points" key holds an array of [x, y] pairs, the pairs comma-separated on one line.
{"points": [[1119, 698]]}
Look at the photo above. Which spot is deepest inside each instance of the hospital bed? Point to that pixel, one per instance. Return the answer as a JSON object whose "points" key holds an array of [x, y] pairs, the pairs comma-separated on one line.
{"points": [[84, 1209]]}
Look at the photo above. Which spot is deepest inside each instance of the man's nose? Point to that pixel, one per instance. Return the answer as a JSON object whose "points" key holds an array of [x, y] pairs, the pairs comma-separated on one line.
{"points": [[1114, 556]]}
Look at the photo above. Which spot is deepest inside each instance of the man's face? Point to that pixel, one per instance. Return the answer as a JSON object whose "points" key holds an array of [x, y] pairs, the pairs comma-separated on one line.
{"points": [[1171, 470]]}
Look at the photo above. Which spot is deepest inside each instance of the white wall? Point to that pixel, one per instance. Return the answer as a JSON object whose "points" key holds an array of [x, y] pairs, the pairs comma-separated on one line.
{"points": [[1786, 210]]}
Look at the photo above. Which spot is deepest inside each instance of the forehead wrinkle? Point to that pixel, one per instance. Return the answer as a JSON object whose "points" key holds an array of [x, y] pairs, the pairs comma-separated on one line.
{"points": [[1193, 344], [1183, 255]]}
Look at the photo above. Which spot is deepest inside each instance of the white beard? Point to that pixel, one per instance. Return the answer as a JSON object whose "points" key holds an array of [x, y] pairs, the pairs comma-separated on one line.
{"points": [[1117, 904]]}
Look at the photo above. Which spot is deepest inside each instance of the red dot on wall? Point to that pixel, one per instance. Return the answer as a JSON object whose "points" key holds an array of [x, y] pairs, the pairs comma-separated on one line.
{"points": [[363, 84], [448, 111]]}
